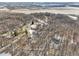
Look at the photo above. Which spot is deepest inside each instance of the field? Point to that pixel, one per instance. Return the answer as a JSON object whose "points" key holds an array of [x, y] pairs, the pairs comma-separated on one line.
{"points": [[48, 32]]}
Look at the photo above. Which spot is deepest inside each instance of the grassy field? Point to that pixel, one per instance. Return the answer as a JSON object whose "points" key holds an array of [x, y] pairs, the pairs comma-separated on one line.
{"points": [[39, 32]]}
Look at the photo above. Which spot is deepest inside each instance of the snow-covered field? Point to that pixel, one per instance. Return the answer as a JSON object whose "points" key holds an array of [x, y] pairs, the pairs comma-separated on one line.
{"points": [[5, 54], [52, 10]]}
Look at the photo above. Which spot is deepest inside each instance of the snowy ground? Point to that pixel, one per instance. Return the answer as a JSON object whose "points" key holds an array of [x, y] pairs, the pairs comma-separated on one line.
{"points": [[5, 54]]}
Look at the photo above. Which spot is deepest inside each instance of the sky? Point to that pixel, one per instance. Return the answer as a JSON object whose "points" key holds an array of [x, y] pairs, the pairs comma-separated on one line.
{"points": [[39, 0]]}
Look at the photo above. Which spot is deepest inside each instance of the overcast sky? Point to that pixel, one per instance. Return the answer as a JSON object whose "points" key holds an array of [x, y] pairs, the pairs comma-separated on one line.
{"points": [[39, 0]]}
